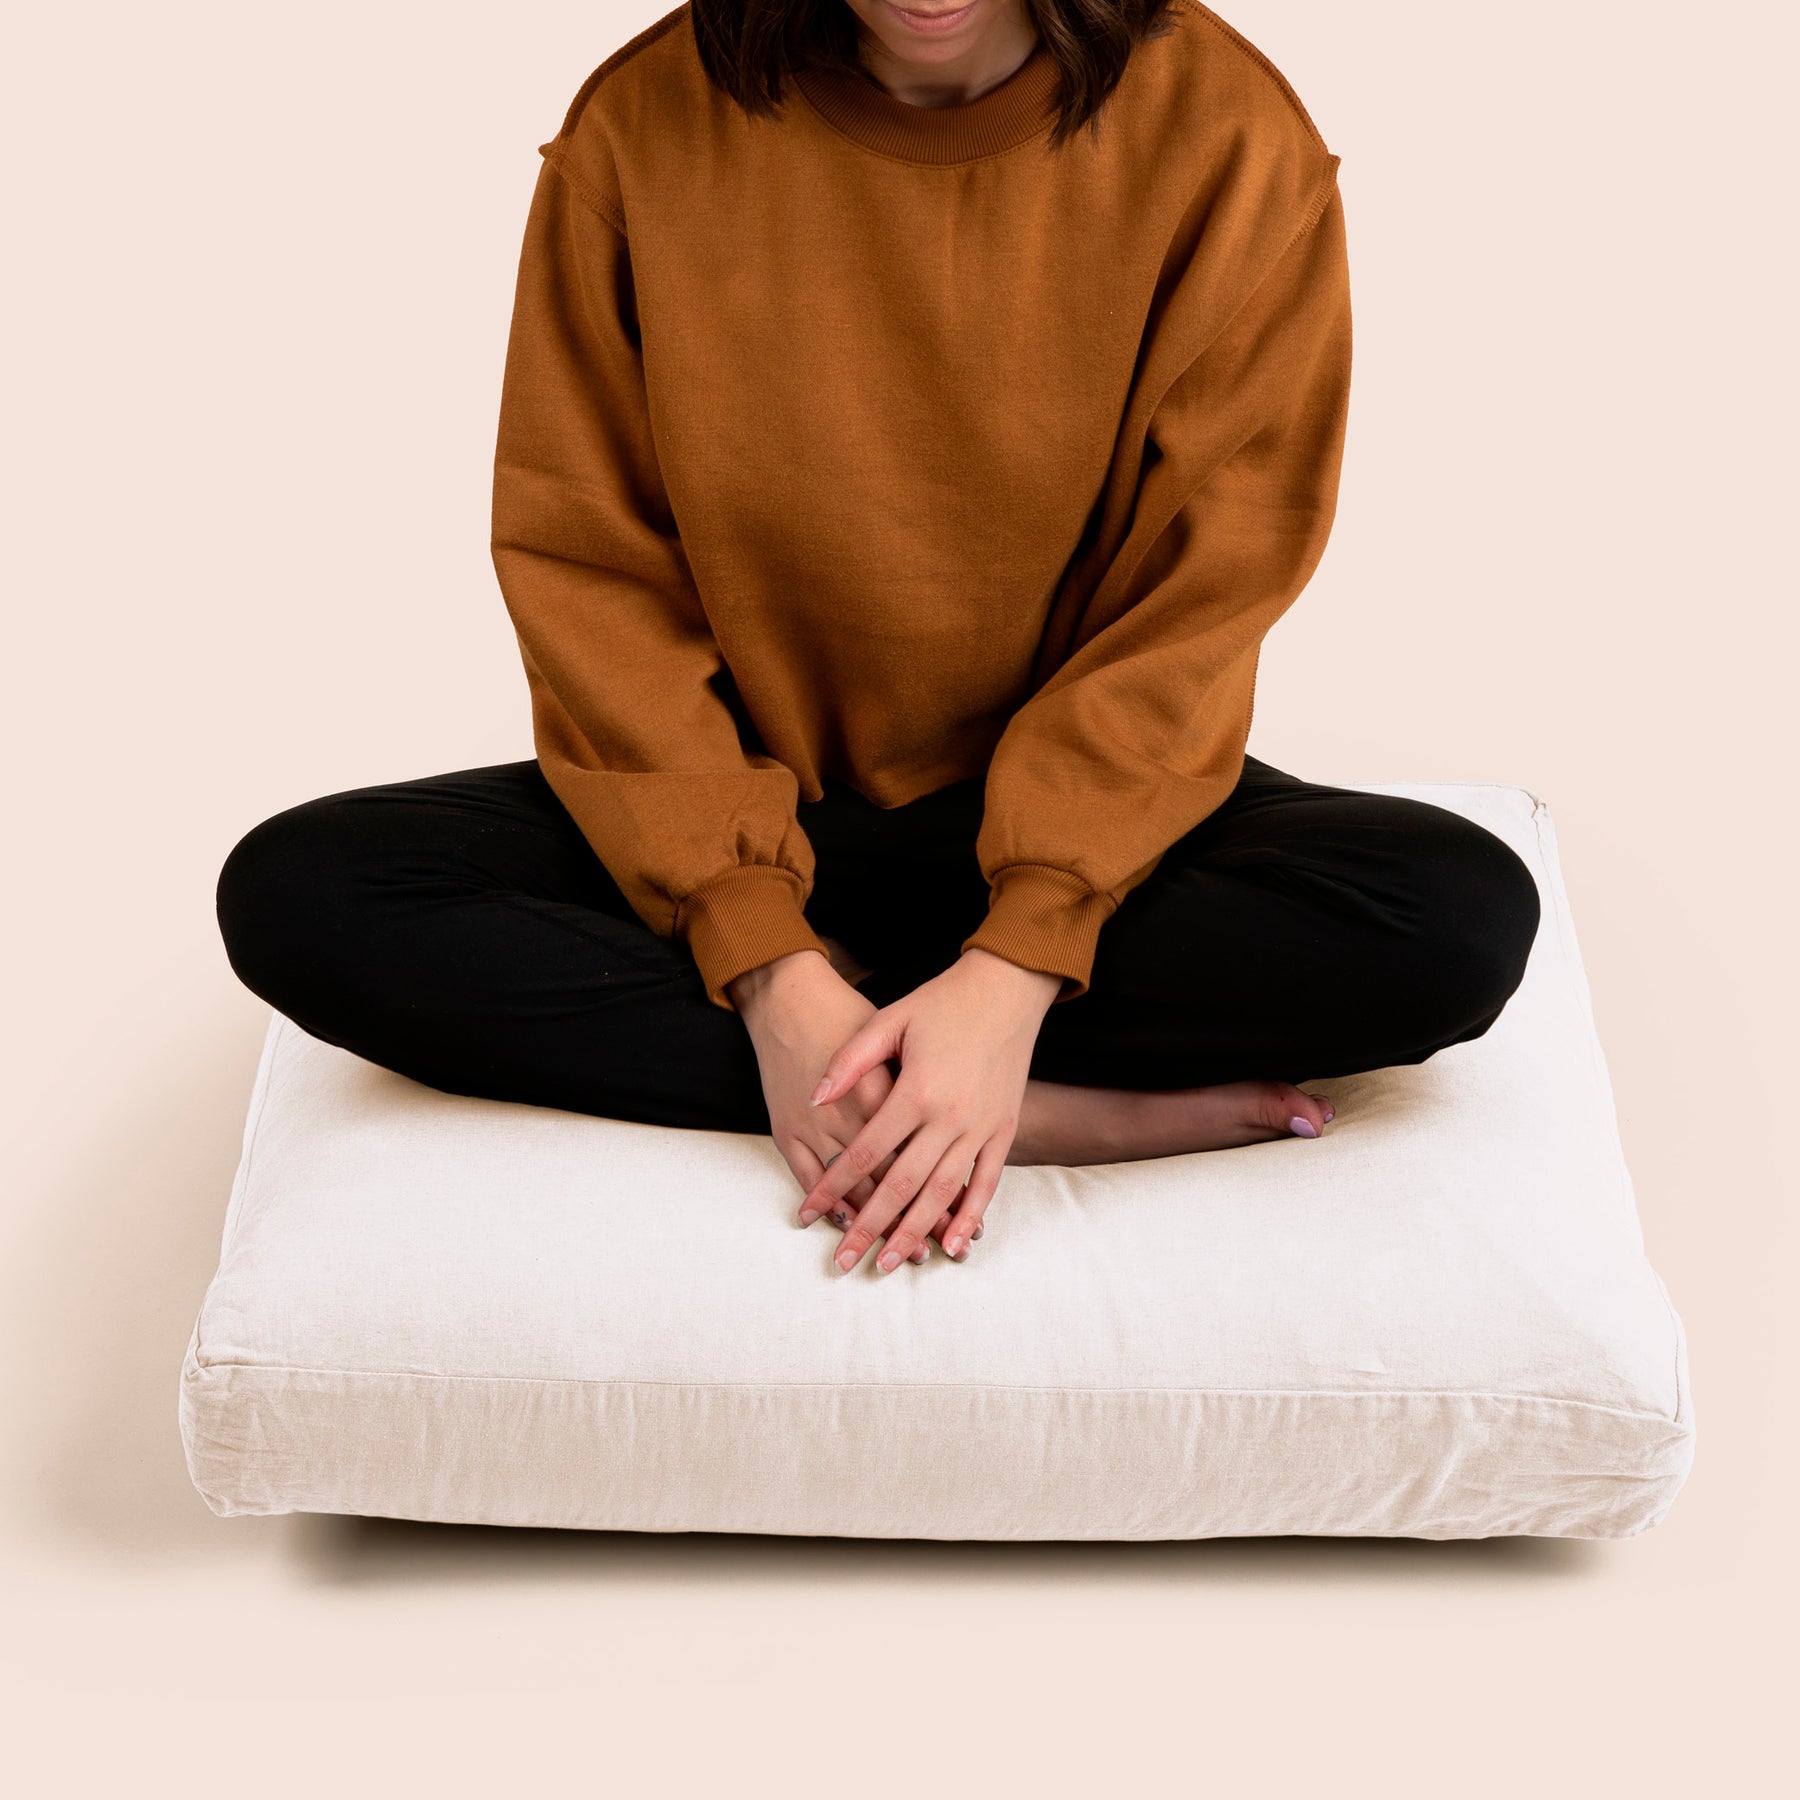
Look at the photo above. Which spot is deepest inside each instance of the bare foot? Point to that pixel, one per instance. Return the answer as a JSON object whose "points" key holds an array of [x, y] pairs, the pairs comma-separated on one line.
{"points": [[1060, 1123]]}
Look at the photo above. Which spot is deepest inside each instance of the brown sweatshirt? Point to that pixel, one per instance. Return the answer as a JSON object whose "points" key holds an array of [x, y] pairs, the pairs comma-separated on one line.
{"points": [[880, 442]]}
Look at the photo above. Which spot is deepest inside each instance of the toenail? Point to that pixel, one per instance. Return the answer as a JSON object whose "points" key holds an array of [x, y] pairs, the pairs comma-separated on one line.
{"points": [[1301, 1127]]}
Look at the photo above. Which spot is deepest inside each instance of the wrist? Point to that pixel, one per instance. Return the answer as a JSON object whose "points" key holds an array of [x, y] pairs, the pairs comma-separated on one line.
{"points": [[1031, 989], [797, 971]]}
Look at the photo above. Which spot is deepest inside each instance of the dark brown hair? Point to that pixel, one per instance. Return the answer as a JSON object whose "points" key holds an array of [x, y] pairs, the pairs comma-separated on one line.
{"points": [[750, 47]]}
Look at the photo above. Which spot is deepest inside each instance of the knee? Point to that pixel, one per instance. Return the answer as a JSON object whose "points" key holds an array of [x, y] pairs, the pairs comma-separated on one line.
{"points": [[1480, 909], [268, 900]]}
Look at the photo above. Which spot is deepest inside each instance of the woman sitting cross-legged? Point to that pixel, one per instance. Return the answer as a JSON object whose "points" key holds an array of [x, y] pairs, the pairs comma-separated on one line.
{"points": [[913, 422]]}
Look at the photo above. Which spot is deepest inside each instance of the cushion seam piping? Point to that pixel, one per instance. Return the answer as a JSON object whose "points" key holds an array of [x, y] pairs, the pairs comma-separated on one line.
{"points": [[884, 1387]]}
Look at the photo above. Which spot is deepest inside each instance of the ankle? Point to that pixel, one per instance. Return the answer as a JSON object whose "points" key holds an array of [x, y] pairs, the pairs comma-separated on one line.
{"points": [[1069, 1125]]}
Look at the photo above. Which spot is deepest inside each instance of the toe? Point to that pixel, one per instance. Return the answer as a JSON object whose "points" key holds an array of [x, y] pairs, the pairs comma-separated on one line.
{"points": [[1294, 1113]]}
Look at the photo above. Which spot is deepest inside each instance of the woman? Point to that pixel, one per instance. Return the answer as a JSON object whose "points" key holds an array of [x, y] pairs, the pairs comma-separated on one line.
{"points": [[913, 422]]}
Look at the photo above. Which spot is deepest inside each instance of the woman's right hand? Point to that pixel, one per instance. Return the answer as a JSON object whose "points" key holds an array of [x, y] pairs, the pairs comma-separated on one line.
{"points": [[800, 1012]]}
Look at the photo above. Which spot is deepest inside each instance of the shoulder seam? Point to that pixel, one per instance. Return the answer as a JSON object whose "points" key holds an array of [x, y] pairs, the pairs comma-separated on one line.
{"points": [[1286, 88], [625, 52], [1322, 196], [582, 188], [1319, 202], [552, 149]]}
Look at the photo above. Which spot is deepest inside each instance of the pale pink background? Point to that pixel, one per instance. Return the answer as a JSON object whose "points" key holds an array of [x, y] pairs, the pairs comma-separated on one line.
{"points": [[263, 264]]}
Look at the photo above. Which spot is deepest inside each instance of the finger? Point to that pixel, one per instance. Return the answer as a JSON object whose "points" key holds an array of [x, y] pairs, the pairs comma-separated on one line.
{"points": [[860, 1195], [899, 1188], [845, 1217], [861, 1104], [892, 1122], [808, 1163], [943, 1187], [868, 1047], [804, 1161], [965, 1228], [825, 1194], [922, 1250], [843, 1213], [942, 1224]]}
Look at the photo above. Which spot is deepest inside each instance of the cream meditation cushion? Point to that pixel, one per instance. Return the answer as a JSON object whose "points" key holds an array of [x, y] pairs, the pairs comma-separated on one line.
{"points": [[1436, 1321]]}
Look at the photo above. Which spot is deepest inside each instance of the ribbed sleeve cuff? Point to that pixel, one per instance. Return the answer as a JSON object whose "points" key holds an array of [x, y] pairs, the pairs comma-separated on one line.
{"points": [[740, 920], [1044, 918]]}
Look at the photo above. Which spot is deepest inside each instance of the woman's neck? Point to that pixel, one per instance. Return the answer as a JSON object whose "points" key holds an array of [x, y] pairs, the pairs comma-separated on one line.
{"points": [[951, 69]]}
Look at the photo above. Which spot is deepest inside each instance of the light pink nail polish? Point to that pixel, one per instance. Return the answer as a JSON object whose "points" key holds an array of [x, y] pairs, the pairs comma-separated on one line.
{"points": [[1301, 1127]]}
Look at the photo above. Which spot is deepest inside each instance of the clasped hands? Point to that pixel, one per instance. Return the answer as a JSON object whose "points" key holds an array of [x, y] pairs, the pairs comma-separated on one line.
{"points": [[915, 1154]]}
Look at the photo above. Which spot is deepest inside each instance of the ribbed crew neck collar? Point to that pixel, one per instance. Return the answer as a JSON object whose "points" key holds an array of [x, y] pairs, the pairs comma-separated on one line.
{"points": [[858, 106]]}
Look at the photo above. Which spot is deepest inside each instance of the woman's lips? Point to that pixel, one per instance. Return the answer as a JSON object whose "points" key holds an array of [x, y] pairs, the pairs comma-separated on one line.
{"points": [[930, 24]]}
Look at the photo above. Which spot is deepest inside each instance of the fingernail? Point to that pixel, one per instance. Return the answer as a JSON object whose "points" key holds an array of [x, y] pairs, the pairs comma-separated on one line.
{"points": [[922, 1254], [820, 1091], [973, 1235], [808, 1214], [1330, 1112], [846, 1260], [888, 1261], [952, 1242], [1301, 1128]]}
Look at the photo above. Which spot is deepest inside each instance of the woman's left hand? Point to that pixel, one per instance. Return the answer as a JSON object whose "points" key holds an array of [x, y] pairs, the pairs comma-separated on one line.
{"points": [[964, 1041]]}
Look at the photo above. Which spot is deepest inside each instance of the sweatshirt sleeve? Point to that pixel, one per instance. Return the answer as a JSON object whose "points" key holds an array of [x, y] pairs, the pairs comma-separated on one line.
{"points": [[633, 736], [1218, 510]]}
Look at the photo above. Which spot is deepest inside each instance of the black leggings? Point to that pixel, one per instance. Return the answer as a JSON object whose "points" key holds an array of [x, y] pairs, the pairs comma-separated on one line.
{"points": [[459, 930]]}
